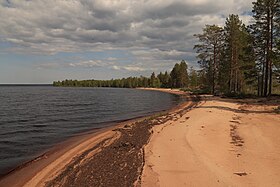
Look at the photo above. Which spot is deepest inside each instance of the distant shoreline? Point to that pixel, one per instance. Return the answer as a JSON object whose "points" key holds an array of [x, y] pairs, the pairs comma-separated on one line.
{"points": [[26, 85]]}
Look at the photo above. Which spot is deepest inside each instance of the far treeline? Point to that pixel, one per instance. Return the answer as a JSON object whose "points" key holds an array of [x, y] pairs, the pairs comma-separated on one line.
{"points": [[177, 78], [235, 59]]}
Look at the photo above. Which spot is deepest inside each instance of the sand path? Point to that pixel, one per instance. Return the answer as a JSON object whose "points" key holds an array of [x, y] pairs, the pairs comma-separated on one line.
{"points": [[215, 144]]}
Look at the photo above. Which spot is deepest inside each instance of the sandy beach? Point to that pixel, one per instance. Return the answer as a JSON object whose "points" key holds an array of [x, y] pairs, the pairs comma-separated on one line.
{"points": [[205, 141], [118, 148], [218, 143]]}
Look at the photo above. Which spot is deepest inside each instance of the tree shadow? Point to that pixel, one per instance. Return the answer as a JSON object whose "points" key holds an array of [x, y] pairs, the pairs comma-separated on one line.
{"points": [[238, 110]]}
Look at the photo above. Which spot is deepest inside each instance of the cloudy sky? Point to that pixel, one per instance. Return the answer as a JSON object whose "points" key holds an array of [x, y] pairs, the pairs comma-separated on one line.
{"points": [[46, 40]]}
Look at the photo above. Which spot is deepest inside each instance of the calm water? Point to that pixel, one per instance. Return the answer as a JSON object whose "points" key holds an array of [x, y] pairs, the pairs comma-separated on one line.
{"points": [[32, 118]]}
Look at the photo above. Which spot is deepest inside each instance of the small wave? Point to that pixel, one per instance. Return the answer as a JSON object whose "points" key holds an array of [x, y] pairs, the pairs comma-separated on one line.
{"points": [[39, 126], [22, 131], [11, 143], [33, 118]]}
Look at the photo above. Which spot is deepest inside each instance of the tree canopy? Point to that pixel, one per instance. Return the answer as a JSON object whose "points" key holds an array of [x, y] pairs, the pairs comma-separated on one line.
{"points": [[178, 78], [238, 59]]}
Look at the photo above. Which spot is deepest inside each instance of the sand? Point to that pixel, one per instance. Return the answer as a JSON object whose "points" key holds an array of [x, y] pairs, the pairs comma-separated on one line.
{"points": [[43, 169], [214, 142], [218, 143], [66, 163]]}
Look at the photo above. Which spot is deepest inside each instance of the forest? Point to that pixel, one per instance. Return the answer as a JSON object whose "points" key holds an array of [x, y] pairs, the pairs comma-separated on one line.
{"points": [[234, 59], [177, 78]]}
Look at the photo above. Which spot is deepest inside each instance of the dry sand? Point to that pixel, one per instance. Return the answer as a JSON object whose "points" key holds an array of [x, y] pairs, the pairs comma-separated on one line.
{"points": [[167, 90], [58, 162], [216, 144]]}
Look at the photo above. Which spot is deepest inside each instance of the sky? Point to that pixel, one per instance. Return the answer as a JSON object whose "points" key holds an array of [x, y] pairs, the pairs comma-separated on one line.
{"points": [[46, 40]]}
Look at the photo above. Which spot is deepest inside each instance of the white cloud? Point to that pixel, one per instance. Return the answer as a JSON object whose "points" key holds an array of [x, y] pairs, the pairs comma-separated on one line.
{"points": [[156, 32], [116, 68], [131, 68], [91, 64]]}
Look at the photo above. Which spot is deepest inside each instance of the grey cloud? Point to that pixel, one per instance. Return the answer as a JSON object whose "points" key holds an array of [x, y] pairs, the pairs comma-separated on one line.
{"points": [[78, 63], [163, 28], [181, 8]]}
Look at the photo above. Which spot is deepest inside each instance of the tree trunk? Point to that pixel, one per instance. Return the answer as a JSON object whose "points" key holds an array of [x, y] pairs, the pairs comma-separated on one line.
{"points": [[236, 69], [267, 60], [259, 86], [214, 71], [231, 72], [262, 79], [271, 47]]}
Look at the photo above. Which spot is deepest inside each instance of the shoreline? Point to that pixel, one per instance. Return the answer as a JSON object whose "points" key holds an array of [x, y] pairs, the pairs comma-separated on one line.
{"points": [[28, 170]]}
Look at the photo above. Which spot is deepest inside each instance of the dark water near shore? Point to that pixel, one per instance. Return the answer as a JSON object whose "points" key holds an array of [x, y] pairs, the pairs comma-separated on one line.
{"points": [[34, 118]]}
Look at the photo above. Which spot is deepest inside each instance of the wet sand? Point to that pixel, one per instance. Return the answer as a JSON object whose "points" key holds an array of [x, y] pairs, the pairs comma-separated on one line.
{"points": [[112, 156], [221, 142], [205, 141]]}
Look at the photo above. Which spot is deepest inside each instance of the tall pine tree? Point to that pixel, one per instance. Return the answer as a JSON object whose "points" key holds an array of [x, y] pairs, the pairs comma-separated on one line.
{"points": [[266, 30], [209, 52], [238, 57]]}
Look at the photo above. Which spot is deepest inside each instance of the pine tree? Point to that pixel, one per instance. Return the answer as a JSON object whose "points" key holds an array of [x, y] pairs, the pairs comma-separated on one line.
{"points": [[238, 61], [164, 79], [266, 30], [248, 59], [154, 81], [175, 76], [183, 74], [209, 52], [233, 47], [193, 77]]}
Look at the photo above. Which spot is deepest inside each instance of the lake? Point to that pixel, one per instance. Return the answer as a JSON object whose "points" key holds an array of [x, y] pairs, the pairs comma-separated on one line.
{"points": [[35, 118]]}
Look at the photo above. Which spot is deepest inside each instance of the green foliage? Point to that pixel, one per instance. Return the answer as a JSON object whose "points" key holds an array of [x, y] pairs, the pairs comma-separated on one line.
{"points": [[266, 31], [238, 68], [193, 78], [237, 60], [178, 77], [164, 79], [209, 51], [130, 82], [155, 81]]}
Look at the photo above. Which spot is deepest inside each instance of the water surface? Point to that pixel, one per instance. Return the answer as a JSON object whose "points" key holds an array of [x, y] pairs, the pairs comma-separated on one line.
{"points": [[34, 118]]}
